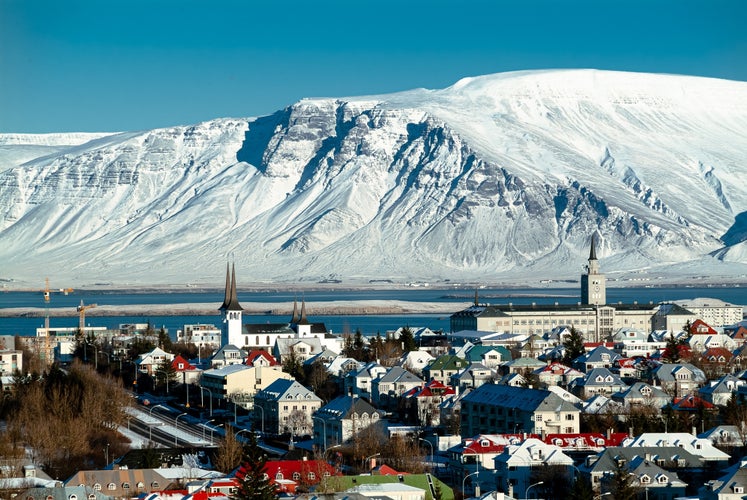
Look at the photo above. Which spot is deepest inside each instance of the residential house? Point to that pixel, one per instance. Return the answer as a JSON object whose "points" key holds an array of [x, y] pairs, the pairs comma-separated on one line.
{"points": [[186, 372], [341, 419], [504, 409], [535, 346], [119, 483], [227, 355], [671, 458], [340, 366], [488, 355], [656, 482], [691, 404], [522, 366], [643, 396], [150, 362], [702, 448], [475, 375], [718, 392], [389, 387], [286, 407], [303, 349], [422, 404], [11, 361], [478, 454], [557, 374], [240, 382], [291, 476], [702, 342], [200, 335], [359, 382], [599, 357], [64, 493], [514, 467], [678, 379], [672, 317], [415, 361], [443, 367], [730, 486], [631, 342], [597, 381]]}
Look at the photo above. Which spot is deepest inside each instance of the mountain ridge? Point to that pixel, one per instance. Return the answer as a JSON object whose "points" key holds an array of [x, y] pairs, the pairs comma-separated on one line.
{"points": [[498, 178]]}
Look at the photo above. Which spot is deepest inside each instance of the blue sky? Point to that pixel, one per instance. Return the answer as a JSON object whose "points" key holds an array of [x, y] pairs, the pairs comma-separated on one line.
{"points": [[116, 65]]}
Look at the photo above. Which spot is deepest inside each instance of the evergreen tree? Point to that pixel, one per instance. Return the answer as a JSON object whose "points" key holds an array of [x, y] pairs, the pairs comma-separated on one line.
{"points": [[408, 340], [292, 365], [671, 352], [254, 483], [359, 346], [164, 341], [621, 484], [574, 347], [581, 489]]}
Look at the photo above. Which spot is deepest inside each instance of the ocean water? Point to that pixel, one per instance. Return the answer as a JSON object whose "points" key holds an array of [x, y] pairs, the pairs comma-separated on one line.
{"points": [[368, 324]]}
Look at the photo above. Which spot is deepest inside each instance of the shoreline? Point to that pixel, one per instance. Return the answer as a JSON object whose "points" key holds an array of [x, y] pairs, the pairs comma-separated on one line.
{"points": [[329, 308]]}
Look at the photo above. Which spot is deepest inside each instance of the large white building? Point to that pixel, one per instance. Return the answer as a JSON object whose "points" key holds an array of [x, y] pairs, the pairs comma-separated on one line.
{"points": [[715, 312], [591, 317]]}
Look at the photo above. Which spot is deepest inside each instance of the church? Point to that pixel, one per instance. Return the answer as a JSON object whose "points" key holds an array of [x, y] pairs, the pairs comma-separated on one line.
{"points": [[264, 336], [592, 316]]}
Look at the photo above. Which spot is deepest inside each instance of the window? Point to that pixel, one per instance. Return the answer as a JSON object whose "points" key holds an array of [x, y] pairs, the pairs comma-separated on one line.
{"points": [[645, 479], [73, 497], [296, 476], [140, 485], [91, 497], [110, 487], [125, 486], [570, 416], [155, 484], [663, 479], [311, 476], [279, 476], [97, 487]]}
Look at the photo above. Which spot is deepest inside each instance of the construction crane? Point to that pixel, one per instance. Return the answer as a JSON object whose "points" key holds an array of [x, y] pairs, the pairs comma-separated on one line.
{"points": [[82, 310], [47, 294]]}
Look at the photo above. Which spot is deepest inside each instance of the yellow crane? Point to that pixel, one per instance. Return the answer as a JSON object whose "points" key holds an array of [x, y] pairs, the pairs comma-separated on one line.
{"points": [[47, 293], [82, 311]]}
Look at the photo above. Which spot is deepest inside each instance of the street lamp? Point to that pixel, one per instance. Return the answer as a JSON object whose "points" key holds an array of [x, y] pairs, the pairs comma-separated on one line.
{"points": [[324, 429], [176, 424], [526, 493], [429, 444], [369, 458], [465, 479], [203, 398], [477, 457], [150, 425], [254, 406]]}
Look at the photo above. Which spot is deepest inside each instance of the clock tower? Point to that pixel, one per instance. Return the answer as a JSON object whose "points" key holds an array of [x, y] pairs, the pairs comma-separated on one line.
{"points": [[593, 283]]}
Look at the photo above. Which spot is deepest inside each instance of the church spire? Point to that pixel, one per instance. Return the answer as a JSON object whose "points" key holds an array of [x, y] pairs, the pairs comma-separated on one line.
{"points": [[226, 295], [231, 300], [295, 317], [302, 319], [593, 250]]}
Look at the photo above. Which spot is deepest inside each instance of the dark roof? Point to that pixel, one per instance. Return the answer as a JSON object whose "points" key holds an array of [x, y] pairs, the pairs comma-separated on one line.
{"points": [[593, 250], [230, 299]]}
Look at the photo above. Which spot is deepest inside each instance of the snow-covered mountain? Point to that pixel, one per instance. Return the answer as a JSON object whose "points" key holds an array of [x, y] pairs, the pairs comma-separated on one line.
{"points": [[499, 178]]}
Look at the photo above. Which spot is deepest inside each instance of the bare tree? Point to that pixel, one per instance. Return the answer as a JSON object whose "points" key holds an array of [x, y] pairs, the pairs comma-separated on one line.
{"points": [[229, 454]]}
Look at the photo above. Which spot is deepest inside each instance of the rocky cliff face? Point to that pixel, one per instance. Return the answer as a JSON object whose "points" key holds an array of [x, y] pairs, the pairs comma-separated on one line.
{"points": [[498, 178]]}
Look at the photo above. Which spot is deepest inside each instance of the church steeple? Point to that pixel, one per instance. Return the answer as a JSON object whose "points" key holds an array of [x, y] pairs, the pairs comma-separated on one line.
{"points": [[227, 294], [230, 311], [302, 319], [593, 250], [593, 283], [295, 317]]}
